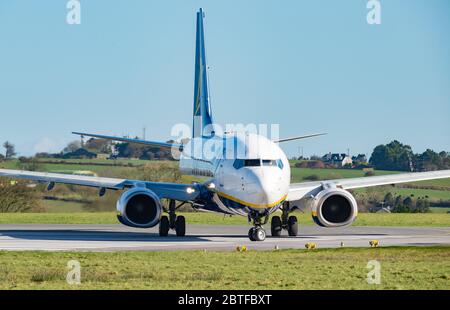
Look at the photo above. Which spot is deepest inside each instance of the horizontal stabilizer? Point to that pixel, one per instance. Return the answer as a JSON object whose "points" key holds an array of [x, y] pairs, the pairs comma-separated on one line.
{"points": [[299, 137], [129, 140]]}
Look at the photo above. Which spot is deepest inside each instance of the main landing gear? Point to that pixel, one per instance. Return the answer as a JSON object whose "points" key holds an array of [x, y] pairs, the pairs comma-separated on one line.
{"points": [[286, 222], [178, 223]]}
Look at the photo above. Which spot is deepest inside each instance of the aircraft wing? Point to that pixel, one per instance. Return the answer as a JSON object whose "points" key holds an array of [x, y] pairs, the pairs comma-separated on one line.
{"points": [[300, 190], [182, 192]]}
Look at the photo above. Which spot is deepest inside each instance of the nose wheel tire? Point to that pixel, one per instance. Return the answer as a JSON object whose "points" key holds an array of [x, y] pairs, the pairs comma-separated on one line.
{"points": [[275, 226], [292, 226], [257, 234], [164, 226], [180, 226]]}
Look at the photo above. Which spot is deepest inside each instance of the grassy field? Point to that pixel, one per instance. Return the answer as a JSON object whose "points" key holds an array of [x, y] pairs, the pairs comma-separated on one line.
{"points": [[401, 268], [442, 191], [364, 219], [427, 193], [439, 210], [298, 174]]}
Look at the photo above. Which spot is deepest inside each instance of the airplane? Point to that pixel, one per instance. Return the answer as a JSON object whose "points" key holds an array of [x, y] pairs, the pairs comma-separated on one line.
{"points": [[254, 183]]}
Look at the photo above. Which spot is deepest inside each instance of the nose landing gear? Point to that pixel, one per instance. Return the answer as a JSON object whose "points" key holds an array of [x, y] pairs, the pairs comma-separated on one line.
{"points": [[286, 222], [257, 233]]}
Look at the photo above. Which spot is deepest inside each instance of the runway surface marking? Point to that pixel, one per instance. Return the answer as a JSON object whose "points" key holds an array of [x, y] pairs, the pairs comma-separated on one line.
{"points": [[209, 237]]}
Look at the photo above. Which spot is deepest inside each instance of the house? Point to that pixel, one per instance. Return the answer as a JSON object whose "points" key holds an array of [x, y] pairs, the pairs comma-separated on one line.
{"points": [[336, 159], [361, 158]]}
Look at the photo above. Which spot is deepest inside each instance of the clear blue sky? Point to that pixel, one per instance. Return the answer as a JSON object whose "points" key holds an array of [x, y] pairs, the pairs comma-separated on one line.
{"points": [[310, 66]]}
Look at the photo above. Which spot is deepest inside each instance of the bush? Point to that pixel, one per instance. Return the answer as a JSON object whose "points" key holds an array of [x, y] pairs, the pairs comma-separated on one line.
{"points": [[15, 196], [159, 172], [401, 209], [310, 164], [29, 164], [369, 174]]}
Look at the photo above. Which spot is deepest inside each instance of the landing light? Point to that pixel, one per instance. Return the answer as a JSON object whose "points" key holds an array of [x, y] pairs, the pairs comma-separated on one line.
{"points": [[190, 190]]}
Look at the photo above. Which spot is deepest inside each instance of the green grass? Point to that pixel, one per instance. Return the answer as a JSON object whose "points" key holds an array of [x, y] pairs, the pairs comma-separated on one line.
{"points": [[401, 268], [439, 210], [422, 193], [298, 174], [54, 206], [364, 219], [433, 195], [437, 182]]}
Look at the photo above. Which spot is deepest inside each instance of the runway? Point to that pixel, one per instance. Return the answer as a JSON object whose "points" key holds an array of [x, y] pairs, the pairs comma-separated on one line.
{"points": [[200, 237]]}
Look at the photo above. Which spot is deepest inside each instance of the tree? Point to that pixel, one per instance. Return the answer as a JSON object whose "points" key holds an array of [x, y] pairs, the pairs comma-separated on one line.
{"points": [[392, 156], [10, 150], [389, 199], [98, 145], [15, 196], [430, 160], [408, 202], [398, 200], [422, 206], [72, 146]]}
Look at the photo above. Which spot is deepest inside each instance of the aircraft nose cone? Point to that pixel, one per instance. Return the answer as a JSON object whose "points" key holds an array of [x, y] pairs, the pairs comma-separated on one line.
{"points": [[266, 191], [270, 191]]}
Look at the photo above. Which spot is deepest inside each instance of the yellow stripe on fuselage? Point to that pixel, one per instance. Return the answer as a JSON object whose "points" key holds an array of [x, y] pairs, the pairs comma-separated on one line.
{"points": [[252, 205]]}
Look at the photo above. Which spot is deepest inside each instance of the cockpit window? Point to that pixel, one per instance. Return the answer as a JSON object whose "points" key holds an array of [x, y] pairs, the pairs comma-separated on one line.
{"points": [[239, 163], [280, 164], [252, 162], [269, 162]]}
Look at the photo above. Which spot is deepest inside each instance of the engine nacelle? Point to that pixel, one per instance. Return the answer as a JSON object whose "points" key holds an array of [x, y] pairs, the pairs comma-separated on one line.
{"points": [[139, 207], [334, 207]]}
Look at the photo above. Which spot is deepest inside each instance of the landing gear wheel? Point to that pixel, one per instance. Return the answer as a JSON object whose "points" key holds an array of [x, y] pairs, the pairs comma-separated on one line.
{"points": [[292, 226], [180, 226], [259, 234], [251, 232], [275, 226], [164, 226]]}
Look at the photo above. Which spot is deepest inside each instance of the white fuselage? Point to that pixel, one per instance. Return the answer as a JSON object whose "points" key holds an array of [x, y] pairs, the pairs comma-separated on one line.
{"points": [[249, 172]]}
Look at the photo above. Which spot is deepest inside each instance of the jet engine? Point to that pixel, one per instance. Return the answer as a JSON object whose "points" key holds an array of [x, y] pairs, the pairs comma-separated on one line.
{"points": [[139, 207], [334, 207]]}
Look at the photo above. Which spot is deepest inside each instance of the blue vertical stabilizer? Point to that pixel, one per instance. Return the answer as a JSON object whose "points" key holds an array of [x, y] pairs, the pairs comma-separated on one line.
{"points": [[202, 118]]}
